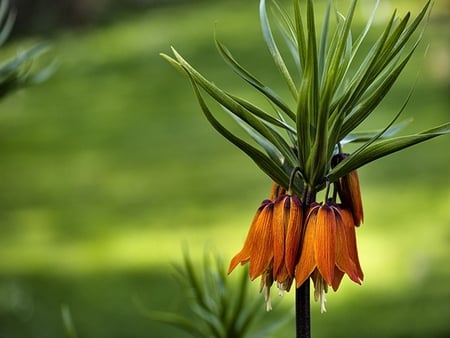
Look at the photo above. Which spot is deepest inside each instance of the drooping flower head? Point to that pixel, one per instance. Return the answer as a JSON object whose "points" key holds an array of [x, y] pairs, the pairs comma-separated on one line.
{"points": [[349, 191], [287, 228], [285, 244], [258, 246], [329, 250], [272, 243]]}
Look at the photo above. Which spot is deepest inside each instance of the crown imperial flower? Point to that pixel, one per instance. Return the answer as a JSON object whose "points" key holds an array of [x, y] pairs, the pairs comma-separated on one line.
{"points": [[258, 246], [298, 143], [272, 244], [349, 191]]}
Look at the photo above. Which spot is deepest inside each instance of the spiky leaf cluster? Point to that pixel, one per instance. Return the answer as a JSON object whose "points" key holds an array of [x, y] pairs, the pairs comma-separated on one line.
{"points": [[333, 88], [218, 307]]}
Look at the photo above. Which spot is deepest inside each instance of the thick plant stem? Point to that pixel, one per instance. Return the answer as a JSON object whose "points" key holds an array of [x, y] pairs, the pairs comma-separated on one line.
{"points": [[302, 311], [302, 293]]}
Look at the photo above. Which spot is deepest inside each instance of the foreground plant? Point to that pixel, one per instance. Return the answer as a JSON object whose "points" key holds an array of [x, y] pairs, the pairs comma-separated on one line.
{"points": [[218, 307], [17, 72], [334, 88]]}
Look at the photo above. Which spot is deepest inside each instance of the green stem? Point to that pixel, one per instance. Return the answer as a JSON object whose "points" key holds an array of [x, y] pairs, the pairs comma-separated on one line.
{"points": [[292, 180]]}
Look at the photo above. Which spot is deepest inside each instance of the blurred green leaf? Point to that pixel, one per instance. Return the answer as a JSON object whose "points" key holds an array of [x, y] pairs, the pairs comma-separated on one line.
{"points": [[68, 322], [221, 308], [18, 72]]}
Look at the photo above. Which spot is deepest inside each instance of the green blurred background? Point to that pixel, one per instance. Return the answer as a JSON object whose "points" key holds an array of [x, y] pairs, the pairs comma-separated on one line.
{"points": [[109, 167]]}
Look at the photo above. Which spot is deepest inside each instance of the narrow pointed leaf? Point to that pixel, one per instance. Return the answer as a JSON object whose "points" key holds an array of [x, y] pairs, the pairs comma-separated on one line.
{"points": [[361, 38], [245, 75], [269, 148], [301, 36], [180, 322], [383, 148], [225, 100], [324, 39], [261, 114], [365, 108], [365, 136], [265, 163], [288, 33], [271, 44]]}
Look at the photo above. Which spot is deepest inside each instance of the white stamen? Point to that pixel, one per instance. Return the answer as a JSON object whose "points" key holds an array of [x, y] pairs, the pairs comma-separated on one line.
{"points": [[267, 298], [321, 288], [281, 288], [268, 305], [323, 300]]}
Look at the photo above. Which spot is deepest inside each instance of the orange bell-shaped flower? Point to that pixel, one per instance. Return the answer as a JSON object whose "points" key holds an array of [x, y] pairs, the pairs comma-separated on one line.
{"points": [[258, 246], [349, 191], [287, 229], [329, 249]]}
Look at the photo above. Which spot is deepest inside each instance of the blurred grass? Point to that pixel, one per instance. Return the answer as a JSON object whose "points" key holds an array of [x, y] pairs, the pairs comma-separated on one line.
{"points": [[109, 166]]}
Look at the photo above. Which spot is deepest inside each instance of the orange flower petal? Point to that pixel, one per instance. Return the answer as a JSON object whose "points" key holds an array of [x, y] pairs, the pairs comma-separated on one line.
{"points": [[353, 250], [338, 275], [293, 234], [282, 276], [276, 191], [350, 194], [324, 243], [261, 242], [279, 224], [307, 261], [347, 216], [343, 259], [243, 256]]}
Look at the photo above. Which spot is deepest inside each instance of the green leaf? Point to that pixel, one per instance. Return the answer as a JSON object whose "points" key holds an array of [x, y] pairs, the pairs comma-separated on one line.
{"points": [[359, 41], [363, 109], [288, 33], [262, 115], [245, 75], [265, 163], [227, 101], [383, 148], [364, 136], [174, 63], [300, 34], [335, 69], [308, 133], [273, 152], [181, 322], [316, 162], [273, 49], [68, 324], [17, 72], [324, 40], [360, 81], [7, 19]]}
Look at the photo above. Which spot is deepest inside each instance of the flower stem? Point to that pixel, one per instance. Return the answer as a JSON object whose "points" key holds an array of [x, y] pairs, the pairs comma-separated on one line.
{"points": [[302, 311], [302, 293], [292, 179]]}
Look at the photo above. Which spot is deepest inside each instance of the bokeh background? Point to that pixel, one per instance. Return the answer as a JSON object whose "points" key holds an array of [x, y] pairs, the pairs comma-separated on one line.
{"points": [[108, 167]]}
